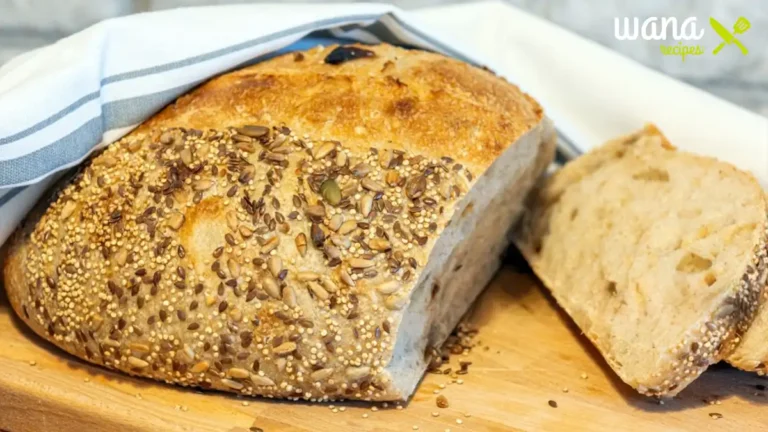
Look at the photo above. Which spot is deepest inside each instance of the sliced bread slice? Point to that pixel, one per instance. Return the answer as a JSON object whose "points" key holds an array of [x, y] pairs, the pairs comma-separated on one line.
{"points": [[658, 255], [752, 352]]}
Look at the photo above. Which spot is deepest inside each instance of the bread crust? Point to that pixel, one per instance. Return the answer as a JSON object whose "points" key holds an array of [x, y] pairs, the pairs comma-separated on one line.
{"points": [[263, 234], [712, 338]]}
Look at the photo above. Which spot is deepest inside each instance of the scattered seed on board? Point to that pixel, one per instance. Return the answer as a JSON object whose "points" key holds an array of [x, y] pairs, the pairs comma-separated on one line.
{"points": [[552, 403]]}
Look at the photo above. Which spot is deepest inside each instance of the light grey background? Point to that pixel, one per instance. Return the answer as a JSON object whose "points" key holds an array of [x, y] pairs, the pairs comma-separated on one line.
{"points": [[27, 24]]}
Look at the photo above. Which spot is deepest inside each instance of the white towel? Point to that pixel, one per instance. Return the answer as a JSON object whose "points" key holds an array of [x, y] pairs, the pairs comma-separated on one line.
{"points": [[61, 102]]}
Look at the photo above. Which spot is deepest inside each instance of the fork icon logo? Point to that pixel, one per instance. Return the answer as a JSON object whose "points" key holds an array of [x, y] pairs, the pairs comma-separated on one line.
{"points": [[741, 26]]}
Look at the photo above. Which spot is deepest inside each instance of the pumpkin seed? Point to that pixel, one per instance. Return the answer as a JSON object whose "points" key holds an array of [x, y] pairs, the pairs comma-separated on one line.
{"points": [[331, 192]]}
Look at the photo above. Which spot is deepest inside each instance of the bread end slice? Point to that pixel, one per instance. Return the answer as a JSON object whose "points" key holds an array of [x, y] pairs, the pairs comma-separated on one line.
{"points": [[658, 255]]}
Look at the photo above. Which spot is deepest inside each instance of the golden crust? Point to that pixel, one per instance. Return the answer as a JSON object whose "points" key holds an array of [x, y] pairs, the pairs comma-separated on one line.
{"points": [[402, 99]]}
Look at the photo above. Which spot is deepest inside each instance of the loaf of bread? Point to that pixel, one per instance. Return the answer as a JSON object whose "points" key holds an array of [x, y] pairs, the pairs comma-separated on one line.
{"points": [[310, 227], [659, 256]]}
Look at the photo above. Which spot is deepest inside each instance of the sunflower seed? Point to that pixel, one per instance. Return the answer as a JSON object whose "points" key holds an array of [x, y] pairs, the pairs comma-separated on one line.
{"points": [[275, 265], [318, 291], [366, 204], [289, 296], [392, 178], [388, 287], [241, 138], [379, 244], [107, 161], [341, 159], [270, 245], [307, 276], [234, 385], [238, 373], [329, 285], [347, 279], [253, 131], [271, 287], [356, 373], [68, 209], [385, 158], [372, 185], [335, 222], [175, 220], [416, 187], [301, 243], [360, 263], [234, 268], [246, 231], [232, 221], [186, 156], [347, 227], [202, 185], [261, 381], [317, 234], [332, 251], [137, 363], [395, 301], [323, 149], [317, 211], [285, 348], [200, 367], [321, 374], [361, 169], [121, 257]]}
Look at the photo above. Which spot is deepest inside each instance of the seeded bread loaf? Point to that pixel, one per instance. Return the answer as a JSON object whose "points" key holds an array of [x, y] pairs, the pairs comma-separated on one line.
{"points": [[308, 227], [658, 255]]}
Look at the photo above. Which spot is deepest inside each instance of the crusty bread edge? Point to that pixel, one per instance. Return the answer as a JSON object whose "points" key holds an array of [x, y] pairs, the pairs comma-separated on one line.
{"points": [[708, 341]]}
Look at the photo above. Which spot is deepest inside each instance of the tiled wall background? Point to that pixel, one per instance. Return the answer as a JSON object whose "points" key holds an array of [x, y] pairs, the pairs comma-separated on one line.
{"points": [[26, 24]]}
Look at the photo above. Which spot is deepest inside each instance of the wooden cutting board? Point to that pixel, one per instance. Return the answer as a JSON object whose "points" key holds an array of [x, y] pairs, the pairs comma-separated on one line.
{"points": [[529, 353]]}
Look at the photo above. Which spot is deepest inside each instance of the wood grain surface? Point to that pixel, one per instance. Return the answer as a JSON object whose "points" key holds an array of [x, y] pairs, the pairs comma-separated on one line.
{"points": [[529, 353]]}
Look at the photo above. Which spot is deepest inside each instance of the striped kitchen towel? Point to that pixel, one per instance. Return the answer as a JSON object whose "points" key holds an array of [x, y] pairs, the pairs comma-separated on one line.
{"points": [[60, 103]]}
